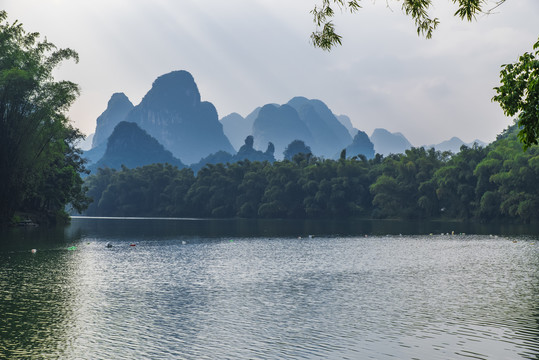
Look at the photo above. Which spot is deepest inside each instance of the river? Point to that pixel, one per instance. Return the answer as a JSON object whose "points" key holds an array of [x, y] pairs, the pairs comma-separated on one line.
{"points": [[239, 289]]}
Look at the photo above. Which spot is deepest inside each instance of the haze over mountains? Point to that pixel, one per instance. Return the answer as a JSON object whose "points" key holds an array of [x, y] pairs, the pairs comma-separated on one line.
{"points": [[237, 128], [386, 143], [345, 120], [454, 144], [171, 124]]}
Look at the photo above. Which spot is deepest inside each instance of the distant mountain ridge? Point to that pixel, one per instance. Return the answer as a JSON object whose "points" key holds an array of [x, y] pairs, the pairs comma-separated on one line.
{"points": [[173, 114], [310, 121], [328, 133], [246, 152], [454, 145], [280, 125], [386, 143]]}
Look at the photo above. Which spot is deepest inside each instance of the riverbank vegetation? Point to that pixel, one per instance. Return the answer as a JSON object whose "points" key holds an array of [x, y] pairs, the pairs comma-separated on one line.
{"points": [[485, 184], [39, 162]]}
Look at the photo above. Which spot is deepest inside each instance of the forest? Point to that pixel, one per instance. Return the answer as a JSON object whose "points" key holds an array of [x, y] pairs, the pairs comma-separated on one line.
{"points": [[494, 183]]}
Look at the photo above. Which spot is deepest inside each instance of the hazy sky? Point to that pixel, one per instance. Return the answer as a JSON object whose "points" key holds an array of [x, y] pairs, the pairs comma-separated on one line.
{"points": [[247, 53]]}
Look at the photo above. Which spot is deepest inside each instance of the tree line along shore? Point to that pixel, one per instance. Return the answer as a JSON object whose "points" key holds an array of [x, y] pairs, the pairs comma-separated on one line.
{"points": [[497, 182]]}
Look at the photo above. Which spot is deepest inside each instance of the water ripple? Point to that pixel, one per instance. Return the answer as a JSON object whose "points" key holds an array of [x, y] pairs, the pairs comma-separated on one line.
{"points": [[272, 298]]}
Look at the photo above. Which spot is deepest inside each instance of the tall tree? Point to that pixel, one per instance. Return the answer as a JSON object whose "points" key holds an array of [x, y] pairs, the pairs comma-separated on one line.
{"points": [[39, 164]]}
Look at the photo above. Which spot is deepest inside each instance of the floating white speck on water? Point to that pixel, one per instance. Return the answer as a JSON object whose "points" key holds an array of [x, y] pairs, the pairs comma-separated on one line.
{"points": [[33, 251], [184, 242]]}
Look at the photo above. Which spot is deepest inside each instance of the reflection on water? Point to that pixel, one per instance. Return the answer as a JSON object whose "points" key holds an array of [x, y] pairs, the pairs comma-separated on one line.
{"points": [[36, 303], [189, 295], [163, 227]]}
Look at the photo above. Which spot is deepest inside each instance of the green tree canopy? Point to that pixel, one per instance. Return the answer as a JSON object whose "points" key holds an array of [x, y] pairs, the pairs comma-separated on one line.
{"points": [[519, 94], [39, 164], [495, 183]]}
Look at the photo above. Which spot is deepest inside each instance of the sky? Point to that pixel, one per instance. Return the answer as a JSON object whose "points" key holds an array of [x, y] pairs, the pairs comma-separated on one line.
{"points": [[248, 53]]}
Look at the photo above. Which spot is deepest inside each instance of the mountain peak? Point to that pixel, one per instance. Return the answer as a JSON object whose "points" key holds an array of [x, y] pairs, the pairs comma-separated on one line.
{"points": [[176, 90], [361, 145], [328, 133], [386, 143], [131, 146], [454, 144], [118, 107], [118, 98], [172, 112], [279, 125]]}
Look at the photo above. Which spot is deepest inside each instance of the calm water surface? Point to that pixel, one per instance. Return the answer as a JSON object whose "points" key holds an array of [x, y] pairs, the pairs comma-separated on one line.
{"points": [[197, 289]]}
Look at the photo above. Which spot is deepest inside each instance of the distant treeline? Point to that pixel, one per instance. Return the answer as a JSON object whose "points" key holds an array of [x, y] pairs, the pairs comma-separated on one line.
{"points": [[493, 183]]}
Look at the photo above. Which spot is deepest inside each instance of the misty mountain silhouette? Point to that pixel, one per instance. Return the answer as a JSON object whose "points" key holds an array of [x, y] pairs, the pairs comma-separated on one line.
{"points": [[131, 146], [386, 143], [117, 109], [246, 152], [328, 134], [279, 125], [454, 144], [345, 120], [361, 145], [173, 113], [236, 129]]}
